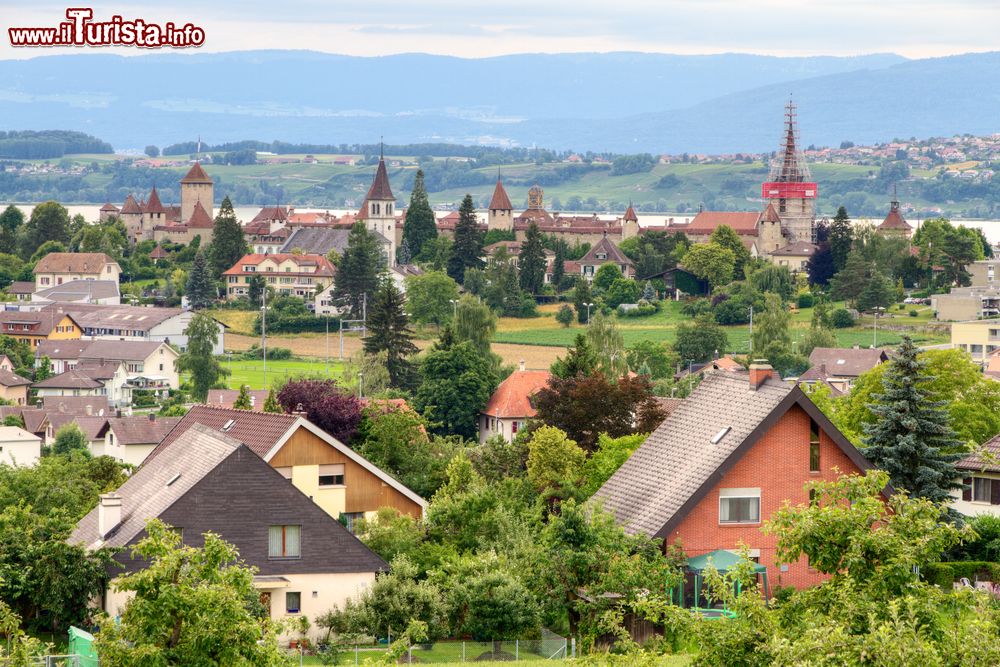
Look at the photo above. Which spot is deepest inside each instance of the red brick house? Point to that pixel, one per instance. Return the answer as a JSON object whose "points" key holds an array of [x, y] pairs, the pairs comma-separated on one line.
{"points": [[731, 454]]}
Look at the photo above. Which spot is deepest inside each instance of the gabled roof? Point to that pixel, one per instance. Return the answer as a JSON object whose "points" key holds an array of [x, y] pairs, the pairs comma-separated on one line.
{"points": [[797, 249], [323, 266], [78, 290], [609, 249], [158, 253], [224, 398], [269, 213], [199, 217], [319, 240], [500, 200], [511, 398], [685, 457], [121, 350], [109, 208], [41, 322], [154, 205], [380, 186], [21, 287], [196, 175], [140, 429], [12, 379], [985, 459], [73, 262], [841, 362], [742, 222], [76, 405], [131, 318], [72, 379], [93, 427], [265, 433], [131, 205]]}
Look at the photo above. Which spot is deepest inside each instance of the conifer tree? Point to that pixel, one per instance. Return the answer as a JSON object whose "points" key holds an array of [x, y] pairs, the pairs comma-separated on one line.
{"points": [[559, 266], [228, 242], [531, 261], [467, 248], [359, 270], [200, 288], [840, 239], [271, 404], [242, 401], [911, 438], [389, 332], [419, 226], [648, 293], [404, 255], [580, 360]]}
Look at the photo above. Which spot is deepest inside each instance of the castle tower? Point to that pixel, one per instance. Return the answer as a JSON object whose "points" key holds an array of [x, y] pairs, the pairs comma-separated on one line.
{"points": [[131, 217], [536, 198], [153, 214], [378, 210], [630, 223], [196, 186], [501, 214], [790, 187], [894, 223]]}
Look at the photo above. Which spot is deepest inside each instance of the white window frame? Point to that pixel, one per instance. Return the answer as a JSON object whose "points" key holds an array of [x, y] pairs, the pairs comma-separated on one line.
{"points": [[739, 494], [977, 484]]}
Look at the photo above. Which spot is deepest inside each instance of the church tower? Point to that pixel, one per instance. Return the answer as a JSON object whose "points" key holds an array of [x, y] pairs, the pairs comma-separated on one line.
{"points": [[630, 223], [153, 215], [196, 186], [790, 188], [501, 215], [378, 211]]}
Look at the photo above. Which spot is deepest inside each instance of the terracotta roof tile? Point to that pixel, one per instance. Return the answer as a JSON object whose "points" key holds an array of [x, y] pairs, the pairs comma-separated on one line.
{"points": [[742, 222], [511, 398], [323, 266], [500, 200], [73, 262], [131, 206], [259, 431], [140, 430], [609, 249], [630, 215], [154, 205], [196, 175], [380, 186], [842, 362], [224, 398], [200, 218]]}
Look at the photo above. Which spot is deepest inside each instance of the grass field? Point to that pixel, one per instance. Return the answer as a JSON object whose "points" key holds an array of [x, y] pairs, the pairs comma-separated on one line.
{"points": [[252, 372]]}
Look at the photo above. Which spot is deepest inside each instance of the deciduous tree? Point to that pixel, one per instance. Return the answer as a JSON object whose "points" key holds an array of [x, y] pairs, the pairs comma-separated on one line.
{"points": [[49, 221], [199, 358], [457, 383], [430, 297], [325, 405]]}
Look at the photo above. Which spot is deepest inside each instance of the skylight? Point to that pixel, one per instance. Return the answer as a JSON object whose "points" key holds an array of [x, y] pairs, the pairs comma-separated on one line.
{"points": [[228, 425], [173, 479], [841, 362], [721, 434]]}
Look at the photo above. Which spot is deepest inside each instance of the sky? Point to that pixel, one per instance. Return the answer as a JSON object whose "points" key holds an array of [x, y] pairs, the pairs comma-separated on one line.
{"points": [[483, 28]]}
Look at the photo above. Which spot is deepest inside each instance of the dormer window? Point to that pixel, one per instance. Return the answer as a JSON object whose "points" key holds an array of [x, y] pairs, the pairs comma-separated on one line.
{"points": [[602, 255]]}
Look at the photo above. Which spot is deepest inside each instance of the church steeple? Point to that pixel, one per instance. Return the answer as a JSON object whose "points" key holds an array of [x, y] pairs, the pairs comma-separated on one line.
{"points": [[378, 209], [501, 212], [790, 188]]}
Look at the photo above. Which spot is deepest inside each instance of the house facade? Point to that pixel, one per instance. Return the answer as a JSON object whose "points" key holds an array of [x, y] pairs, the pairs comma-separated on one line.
{"points": [[738, 448], [288, 274], [135, 323], [605, 252], [345, 484], [306, 561], [148, 364], [32, 328], [18, 447], [980, 492], [108, 380], [509, 408], [57, 268], [132, 439], [840, 367], [13, 387]]}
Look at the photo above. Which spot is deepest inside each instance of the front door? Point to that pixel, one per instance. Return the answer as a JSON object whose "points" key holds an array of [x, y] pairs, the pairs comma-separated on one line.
{"points": [[265, 600]]}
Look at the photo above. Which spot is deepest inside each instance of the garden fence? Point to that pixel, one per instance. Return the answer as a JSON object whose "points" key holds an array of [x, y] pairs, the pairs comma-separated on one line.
{"points": [[549, 646]]}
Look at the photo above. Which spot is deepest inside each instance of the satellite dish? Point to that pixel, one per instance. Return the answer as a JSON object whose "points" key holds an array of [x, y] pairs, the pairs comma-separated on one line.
{"points": [[100, 413]]}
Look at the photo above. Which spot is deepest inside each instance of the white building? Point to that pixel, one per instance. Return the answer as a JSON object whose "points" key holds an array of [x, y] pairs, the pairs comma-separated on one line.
{"points": [[18, 447]]}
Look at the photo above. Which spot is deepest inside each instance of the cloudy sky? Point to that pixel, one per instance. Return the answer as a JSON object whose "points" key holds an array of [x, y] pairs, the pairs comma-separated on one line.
{"points": [[479, 28]]}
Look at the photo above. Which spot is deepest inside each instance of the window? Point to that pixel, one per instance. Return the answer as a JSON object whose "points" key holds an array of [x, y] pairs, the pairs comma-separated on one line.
{"points": [[513, 427], [293, 602], [283, 542], [739, 506], [982, 489], [331, 475], [350, 519], [813, 446]]}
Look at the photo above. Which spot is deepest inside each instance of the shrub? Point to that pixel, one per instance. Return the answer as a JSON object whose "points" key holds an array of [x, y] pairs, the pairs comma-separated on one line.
{"points": [[841, 319], [642, 310], [806, 300], [565, 315], [913, 313]]}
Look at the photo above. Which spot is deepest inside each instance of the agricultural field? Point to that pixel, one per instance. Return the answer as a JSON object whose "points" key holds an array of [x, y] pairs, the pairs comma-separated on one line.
{"points": [[251, 372]]}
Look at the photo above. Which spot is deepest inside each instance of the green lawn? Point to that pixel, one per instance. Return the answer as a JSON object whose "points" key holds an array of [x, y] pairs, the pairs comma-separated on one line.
{"points": [[662, 326], [252, 372], [450, 653]]}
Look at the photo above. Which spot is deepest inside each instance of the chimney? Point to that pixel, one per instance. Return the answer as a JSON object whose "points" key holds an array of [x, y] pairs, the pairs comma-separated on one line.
{"points": [[152, 416], [299, 410], [88, 410], [253, 401], [522, 364], [109, 513], [760, 371]]}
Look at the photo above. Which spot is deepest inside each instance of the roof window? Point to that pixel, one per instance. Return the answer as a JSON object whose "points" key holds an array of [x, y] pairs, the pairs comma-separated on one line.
{"points": [[721, 434]]}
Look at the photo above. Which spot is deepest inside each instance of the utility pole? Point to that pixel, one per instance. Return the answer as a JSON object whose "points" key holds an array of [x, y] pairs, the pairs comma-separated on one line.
{"points": [[751, 332], [328, 344]]}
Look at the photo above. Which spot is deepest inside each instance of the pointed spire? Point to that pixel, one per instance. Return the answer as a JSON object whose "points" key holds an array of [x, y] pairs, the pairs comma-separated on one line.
{"points": [[630, 215], [196, 175], [500, 201], [380, 189], [788, 167], [381, 148], [154, 205]]}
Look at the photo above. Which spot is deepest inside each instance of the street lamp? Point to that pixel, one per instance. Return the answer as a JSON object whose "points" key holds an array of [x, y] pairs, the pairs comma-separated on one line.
{"points": [[361, 380], [454, 303], [263, 330], [588, 305]]}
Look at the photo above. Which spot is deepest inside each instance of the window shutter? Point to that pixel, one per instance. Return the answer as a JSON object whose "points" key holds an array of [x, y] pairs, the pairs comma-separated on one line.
{"points": [[995, 492], [967, 488]]}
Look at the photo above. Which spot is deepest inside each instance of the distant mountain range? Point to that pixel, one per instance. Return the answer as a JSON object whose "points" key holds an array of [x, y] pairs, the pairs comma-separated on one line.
{"points": [[625, 102]]}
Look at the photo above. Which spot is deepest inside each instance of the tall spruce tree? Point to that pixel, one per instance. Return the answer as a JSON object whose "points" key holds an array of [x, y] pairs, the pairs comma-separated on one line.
{"points": [[531, 261], [467, 249], [419, 226], [559, 266], [228, 242], [840, 239], [389, 331], [911, 438], [359, 270], [200, 288]]}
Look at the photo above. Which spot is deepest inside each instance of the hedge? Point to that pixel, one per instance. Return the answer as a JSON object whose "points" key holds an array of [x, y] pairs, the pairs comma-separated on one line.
{"points": [[296, 324], [945, 574]]}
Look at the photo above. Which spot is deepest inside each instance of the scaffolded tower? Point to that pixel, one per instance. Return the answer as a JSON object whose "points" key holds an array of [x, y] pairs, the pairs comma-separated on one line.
{"points": [[790, 188]]}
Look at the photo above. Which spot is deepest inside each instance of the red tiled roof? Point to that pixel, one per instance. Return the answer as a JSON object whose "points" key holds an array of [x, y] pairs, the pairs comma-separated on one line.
{"points": [[742, 222], [154, 205], [500, 201], [269, 213], [611, 252], [224, 398], [511, 397], [73, 262], [109, 207], [131, 205], [380, 186], [770, 214], [537, 215], [199, 217], [895, 219], [196, 175], [630, 215], [158, 253]]}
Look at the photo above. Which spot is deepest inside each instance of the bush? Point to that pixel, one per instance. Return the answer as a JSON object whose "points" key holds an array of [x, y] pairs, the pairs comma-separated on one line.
{"points": [[565, 315], [255, 353], [944, 574], [806, 300], [642, 310], [841, 319], [913, 313]]}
